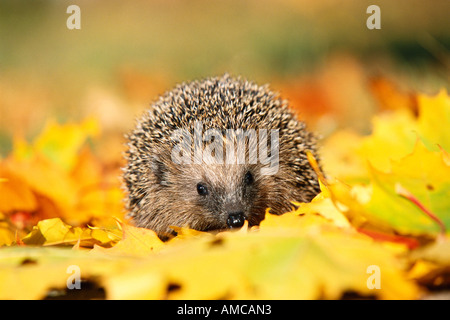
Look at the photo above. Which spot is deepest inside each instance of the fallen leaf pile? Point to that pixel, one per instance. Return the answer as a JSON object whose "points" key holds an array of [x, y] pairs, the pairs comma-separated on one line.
{"points": [[378, 230]]}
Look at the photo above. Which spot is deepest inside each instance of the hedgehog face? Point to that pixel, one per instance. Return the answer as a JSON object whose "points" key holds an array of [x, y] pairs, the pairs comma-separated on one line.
{"points": [[218, 192], [216, 196], [204, 197], [228, 195]]}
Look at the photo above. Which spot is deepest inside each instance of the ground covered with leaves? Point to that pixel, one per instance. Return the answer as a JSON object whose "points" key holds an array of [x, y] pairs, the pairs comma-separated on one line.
{"points": [[378, 230]]}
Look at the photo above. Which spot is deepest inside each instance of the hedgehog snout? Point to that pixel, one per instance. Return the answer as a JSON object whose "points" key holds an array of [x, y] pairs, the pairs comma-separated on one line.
{"points": [[234, 211], [235, 219]]}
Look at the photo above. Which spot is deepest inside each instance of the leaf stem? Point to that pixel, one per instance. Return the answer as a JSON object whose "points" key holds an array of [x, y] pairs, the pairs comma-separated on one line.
{"points": [[400, 190]]}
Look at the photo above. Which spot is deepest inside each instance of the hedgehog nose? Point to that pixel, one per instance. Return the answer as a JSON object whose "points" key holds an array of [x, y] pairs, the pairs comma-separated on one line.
{"points": [[235, 219]]}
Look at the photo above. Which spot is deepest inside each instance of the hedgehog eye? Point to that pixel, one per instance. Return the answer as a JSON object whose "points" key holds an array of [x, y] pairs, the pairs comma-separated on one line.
{"points": [[202, 189], [248, 178]]}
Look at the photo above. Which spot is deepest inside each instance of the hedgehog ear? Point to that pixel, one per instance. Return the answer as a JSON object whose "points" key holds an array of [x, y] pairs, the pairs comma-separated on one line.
{"points": [[159, 169]]}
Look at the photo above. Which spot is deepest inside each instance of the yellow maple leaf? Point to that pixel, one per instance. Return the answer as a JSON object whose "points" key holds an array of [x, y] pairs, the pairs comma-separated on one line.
{"points": [[135, 242], [7, 233], [394, 135], [58, 143], [51, 232], [36, 272], [289, 257], [434, 119], [15, 194]]}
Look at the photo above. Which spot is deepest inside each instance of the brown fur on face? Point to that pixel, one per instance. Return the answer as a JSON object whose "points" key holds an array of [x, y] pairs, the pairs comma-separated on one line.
{"points": [[162, 193]]}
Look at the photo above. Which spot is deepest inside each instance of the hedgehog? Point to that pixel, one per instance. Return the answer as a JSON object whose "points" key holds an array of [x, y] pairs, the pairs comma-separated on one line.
{"points": [[213, 153]]}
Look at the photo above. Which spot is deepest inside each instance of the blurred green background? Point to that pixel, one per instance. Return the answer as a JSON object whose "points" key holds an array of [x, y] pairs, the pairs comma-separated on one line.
{"points": [[128, 52]]}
